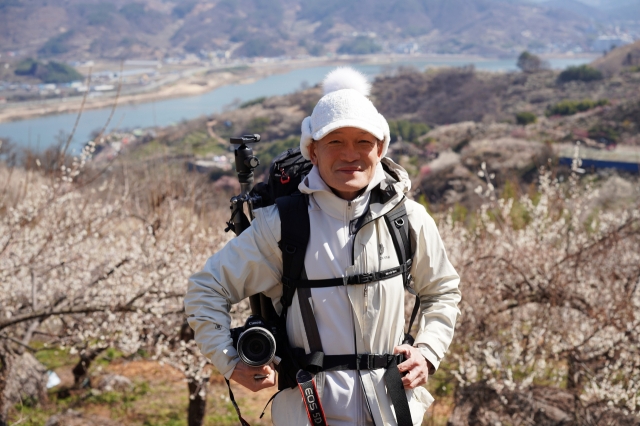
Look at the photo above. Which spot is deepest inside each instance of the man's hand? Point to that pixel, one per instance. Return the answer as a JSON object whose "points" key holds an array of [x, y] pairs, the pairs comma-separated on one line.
{"points": [[416, 366], [244, 375]]}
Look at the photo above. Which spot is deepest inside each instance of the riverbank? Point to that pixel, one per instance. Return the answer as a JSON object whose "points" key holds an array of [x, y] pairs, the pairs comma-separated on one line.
{"points": [[200, 80], [193, 85]]}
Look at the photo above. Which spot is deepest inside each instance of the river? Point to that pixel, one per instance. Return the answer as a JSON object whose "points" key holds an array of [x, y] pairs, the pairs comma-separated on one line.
{"points": [[39, 133]]}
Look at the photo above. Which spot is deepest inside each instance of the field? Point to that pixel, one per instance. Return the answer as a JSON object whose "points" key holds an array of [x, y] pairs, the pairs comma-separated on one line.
{"points": [[95, 254], [158, 396]]}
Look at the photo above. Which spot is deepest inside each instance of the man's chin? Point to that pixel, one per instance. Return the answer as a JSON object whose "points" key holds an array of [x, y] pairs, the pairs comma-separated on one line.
{"points": [[352, 188]]}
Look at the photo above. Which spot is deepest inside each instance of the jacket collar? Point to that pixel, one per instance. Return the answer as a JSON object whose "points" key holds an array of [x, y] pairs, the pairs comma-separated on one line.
{"points": [[384, 192]]}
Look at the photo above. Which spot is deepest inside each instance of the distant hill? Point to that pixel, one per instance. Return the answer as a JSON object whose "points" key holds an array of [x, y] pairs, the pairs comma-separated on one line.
{"points": [[89, 29], [619, 59], [576, 7]]}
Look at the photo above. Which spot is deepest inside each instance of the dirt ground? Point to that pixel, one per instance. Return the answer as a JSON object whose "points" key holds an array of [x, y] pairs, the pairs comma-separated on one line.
{"points": [[159, 396]]}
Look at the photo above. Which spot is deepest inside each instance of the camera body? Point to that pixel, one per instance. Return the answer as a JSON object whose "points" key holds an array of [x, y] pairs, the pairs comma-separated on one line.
{"points": [[255, 341]]}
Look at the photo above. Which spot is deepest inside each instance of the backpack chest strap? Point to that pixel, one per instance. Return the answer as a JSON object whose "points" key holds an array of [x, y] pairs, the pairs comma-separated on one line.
{"points": [[315, 362], [352, 279]]}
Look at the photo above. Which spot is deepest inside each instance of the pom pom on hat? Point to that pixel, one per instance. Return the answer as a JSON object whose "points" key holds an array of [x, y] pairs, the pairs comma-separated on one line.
{"points": [[346, 78], [344, 104]]}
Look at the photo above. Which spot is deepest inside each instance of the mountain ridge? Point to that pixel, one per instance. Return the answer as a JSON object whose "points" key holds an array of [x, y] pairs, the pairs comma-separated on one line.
{"points": [[89, 29]]}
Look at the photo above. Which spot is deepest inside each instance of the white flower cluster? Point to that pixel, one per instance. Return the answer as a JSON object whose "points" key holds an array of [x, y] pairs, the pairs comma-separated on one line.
{"points": [[103, 262], [551, 288], [551, 294]]}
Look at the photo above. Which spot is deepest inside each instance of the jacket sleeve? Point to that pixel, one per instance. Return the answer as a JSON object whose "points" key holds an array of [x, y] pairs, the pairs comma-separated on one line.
{"points": [[436, 282], [248, 264]]}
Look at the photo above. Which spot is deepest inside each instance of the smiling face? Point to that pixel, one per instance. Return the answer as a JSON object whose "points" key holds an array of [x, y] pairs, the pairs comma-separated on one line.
{"points": [[346, 159]]}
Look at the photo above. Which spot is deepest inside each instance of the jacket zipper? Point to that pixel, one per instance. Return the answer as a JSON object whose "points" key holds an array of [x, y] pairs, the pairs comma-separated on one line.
{"points": [[353, 242], [348, 221]]}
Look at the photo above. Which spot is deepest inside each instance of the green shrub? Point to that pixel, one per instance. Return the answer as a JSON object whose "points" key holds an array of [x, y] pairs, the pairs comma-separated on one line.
{"points": [[528, 62], [459, 213], [408, 130], [252, 102], [568, 107], [580, 73], [258, 125], [50, 72], [525, 117], [361, 45], [57, 72], [26, 67], [602, 131]]}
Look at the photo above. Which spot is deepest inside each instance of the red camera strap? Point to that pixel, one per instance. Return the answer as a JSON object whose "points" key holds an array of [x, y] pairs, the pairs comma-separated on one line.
{"points": [[307, 386]]}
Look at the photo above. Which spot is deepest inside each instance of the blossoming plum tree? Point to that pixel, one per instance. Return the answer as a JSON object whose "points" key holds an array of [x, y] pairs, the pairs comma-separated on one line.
{"points": [[100, 260], [553, 301]]}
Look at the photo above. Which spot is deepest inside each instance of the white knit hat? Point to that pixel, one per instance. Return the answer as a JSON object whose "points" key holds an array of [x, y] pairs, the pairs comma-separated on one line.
{"points": [[344, 104]]}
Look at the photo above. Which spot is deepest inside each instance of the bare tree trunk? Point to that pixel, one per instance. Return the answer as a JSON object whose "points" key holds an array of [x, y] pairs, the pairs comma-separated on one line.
{"points": [[22, 379], [571, 373], [197, 388], [5, 368], [197, 401], [81, 370], [573, 383]]}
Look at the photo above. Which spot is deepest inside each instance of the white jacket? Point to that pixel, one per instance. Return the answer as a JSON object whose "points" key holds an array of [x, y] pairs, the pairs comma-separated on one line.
{"points": [[252, 263]]}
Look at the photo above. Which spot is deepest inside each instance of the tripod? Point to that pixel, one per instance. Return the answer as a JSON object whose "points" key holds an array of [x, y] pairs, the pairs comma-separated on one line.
{"points": [[246, 163]]}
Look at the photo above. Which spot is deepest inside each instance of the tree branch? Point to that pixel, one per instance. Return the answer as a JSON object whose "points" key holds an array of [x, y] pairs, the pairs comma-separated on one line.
{"points": [[18, 342], [46, 313]]}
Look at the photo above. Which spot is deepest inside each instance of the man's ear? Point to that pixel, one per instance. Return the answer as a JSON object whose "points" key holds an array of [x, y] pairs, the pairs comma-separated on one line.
{"points": [[312, 152], [380, 146]]}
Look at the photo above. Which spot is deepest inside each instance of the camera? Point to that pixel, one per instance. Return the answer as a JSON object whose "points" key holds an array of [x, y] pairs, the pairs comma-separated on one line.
{"points": [[255, 342]]}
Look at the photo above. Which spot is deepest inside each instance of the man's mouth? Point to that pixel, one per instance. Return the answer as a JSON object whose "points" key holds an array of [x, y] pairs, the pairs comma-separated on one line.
{"points": [[349, 169]]}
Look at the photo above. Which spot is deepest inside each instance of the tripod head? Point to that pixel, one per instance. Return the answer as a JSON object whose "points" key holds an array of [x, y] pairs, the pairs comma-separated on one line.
{"points": [[246, 162]]}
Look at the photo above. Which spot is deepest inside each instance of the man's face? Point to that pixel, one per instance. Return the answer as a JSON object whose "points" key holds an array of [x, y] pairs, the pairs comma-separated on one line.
{"points": [[346, 159]]}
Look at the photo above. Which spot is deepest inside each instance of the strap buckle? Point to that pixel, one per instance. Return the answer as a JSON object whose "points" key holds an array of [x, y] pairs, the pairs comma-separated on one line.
{"points": [[365, 278], [366, 361], [284, 178]]}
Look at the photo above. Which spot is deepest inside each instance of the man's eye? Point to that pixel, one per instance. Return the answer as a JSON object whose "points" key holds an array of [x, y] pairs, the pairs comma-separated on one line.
{"points": [[333, 142], [366, 141]]}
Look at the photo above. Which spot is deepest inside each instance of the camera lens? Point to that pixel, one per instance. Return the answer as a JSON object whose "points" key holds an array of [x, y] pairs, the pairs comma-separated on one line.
{"points": [[256, 347]]}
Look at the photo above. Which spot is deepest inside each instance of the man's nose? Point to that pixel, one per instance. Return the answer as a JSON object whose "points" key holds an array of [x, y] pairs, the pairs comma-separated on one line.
{"points": [[349, 153]]}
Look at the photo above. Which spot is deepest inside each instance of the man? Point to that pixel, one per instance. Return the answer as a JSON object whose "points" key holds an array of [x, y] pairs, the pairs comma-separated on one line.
{"points": [[346, 139]]}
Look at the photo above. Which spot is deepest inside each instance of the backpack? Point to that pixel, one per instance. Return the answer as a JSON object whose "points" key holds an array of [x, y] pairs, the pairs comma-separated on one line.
{"points": [[285, 174]]}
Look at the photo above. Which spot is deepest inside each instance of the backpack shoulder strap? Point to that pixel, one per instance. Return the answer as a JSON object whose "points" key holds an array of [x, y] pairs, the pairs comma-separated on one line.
{"points": [[398, 224], [295, 230]]}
